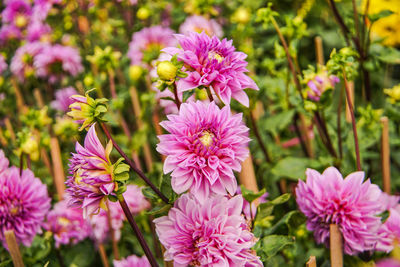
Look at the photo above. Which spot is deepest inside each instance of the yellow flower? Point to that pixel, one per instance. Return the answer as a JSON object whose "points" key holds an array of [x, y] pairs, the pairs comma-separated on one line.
{"points": [[393, 93]]}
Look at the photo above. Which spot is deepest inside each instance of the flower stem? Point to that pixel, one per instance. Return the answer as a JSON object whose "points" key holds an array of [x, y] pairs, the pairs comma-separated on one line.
{"points": [[353, 122], [21, 163], [177, 101], [133, 165], [114, 241], [258, 137], [210, 96], [137, 232]]}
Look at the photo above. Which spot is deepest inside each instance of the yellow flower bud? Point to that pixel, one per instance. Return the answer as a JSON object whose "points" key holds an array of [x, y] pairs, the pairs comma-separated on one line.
{"points": [[242, 15], [21, 21], [166, 70], [143, 13], [135, 72]]}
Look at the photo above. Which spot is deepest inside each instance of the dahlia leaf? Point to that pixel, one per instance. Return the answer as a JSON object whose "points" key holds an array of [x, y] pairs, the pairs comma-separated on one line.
{"points": [[272, 244]]}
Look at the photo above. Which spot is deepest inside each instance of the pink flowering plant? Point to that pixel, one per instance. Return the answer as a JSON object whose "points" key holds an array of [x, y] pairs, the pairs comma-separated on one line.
{"points": [[199, 133]]}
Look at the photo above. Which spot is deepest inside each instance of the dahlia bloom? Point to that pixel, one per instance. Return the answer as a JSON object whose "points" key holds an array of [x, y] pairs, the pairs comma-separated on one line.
{"points": [[66, 224], [388, 263], [37, 31], [132, 261], [351, 204], [390, 231], [213, 63], [91, 179], [99, 222], [389, 201], [200, 24], [3, 64], [318, 83], [24, 203], [205, 145], [213, 233], [56, 61], [22, 63], [63, 99], [41, 8], [8, 33], [17, 12], [147, 43]]}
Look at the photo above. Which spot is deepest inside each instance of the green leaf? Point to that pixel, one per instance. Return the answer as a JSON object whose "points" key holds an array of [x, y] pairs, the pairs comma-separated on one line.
{"points": [[249, 195], [274, 243], [292, 220], [160, 210], [187, 94], [265, 209], [293, 168], [278, 122], [149, 193], [377, 16]]}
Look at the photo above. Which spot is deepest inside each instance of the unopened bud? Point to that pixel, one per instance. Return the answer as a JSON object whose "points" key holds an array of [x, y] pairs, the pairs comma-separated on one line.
{"points": [[166, 70]]}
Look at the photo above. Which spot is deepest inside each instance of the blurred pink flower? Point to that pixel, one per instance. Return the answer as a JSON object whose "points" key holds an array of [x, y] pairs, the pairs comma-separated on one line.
{"points": [[63, 99], [91, 179], [147, 43], [213, 63], [17, 13], [24, 203], [37, 30], [388, 263], [41, 8], [67, 224], [390, 230], [22, 63], [200, 24], [319, 83], [55, 62], [3, 64], [9, 33], [354, 206], [213, 233], [3, 162], [205, 145], [132, 261]]}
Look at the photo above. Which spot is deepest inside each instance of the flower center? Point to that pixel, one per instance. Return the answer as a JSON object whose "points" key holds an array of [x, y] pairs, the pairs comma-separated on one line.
{"points": [[206, 138], [215, 55], [63, 221]]}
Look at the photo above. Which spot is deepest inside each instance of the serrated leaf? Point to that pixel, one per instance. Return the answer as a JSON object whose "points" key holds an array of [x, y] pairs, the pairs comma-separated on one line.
{"points": [[272, 244]]}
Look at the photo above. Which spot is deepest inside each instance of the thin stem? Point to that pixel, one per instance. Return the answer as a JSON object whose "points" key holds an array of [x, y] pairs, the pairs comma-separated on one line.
{"points": [[21, 163], [289, 58], [323, 135], [339, 128], [325, 130], [28, 162], [210, 96], [353, 122], [137, 232], [356, 20], [133, 165], [177, 101], [259, 139], [114, 241], [300, 136]]}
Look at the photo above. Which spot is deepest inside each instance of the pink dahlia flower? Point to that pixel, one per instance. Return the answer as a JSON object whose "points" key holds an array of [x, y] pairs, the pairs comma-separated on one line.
{"points": [[37, 30], [390, 231], [42, 7], [22, 62], [63, 99], [213, 233], [201, 24], [24, 203], [204, 146], [92, 178], [388, 263], [67, 224], [132, 261], [3, 64], [54, 62], [99, 222], [147, 43], [17, 12], [389, 201], [210, 62], [8, 33], [327, 199]]}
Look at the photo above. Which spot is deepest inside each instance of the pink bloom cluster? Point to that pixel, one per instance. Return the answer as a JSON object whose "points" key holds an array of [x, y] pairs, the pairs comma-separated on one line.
{"points": [[24, 203], [63, 99], [67, 224], [56, 61], [22, 63], [210, 62], [354, 206], [204, 146], [147, 43], [132, 261], [200, 24], [213, 233], [91, 179], [100, 222]]}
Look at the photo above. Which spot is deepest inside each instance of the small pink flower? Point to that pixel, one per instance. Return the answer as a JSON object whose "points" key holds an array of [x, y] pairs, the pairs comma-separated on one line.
{"points": [[63, 99], [37, 30], [67, 224], [22, 62], [132, 261], [204, 146], [9, 33], [15, 10], [201, 24], [147, 43], [213, 233], [354, 206], [210, 62]]}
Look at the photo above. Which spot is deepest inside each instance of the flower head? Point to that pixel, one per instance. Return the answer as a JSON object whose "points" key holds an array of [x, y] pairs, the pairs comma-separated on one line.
{"points": [[92, 178], [213, 233], [41, 8], [200, 24], [37, 31], [67, 224], [327, 199], [63, 99], [57, 61], [24, 203], [205, 145], [132, 261], [210, 62], [318, 83], [22, 65], [147, 43], [86, 110], [17, 12], [9, 32], [393, 94]]}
